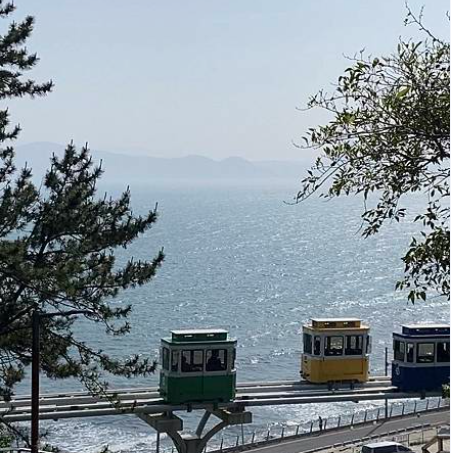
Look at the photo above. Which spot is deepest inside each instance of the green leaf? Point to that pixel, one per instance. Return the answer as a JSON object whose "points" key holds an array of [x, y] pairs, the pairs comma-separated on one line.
{"points": [[402, 92]]}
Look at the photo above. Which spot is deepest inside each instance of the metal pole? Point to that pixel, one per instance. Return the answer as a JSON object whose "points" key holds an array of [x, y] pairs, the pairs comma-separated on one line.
{"points": [[386, 374], [35, 382], [158, 442], [386, 361], [35, 361]]}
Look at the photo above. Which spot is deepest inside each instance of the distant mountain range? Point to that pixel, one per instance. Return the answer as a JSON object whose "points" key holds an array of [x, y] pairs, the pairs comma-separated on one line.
{"points": [[142, 169]]}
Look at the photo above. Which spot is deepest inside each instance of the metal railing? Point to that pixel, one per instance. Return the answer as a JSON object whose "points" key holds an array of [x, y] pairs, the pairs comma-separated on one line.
{"points": [[18, 450], [275, 434], [279, 433], [415, 435]]}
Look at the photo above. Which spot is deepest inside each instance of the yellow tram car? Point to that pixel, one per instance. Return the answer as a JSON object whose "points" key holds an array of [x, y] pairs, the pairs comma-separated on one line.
{"points": [[335, 350]]}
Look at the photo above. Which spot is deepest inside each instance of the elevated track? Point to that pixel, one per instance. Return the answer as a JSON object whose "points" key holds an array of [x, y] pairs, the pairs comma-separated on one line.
{"points": [[54, 406]]}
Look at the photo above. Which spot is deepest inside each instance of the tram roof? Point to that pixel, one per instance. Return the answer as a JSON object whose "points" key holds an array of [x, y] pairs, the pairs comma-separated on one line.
{"points": [[198, 331], [335, 319], [425, 329], [198, 336], [336, 323], [426, 326]]}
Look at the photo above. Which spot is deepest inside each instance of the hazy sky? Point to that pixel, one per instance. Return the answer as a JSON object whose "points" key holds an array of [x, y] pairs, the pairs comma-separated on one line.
{"points": [[215, 78]]}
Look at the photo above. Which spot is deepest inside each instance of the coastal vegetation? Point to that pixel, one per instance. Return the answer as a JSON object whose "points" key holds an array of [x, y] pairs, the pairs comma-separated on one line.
{"points": [[57, 248], [389, 136]]}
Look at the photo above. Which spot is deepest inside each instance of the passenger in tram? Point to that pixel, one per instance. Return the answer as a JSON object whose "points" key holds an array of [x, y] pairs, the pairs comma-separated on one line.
{"points": [[214, 362], [409, 353], [317, 346], [442, 352], [185, 365], [425, 353]]}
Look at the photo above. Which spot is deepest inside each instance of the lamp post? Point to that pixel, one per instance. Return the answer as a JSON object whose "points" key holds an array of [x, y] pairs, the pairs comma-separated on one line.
{"points": [[35, 359]]}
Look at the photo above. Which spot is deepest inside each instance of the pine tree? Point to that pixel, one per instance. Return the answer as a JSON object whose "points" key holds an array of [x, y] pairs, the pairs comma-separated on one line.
{"points": [[57, 247]]}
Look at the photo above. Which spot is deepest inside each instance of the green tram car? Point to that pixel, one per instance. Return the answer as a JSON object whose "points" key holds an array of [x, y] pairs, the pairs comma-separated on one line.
{"points": [[198, 366]]}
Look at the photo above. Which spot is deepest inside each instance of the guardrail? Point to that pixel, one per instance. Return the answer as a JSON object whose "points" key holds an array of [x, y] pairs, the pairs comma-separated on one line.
{"points": [[275, 434], [18, 450], [291, 432], [403, 436]]}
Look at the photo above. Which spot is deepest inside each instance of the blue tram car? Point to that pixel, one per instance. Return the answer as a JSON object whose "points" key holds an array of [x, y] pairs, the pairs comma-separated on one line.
{"points": [[421, 357]]}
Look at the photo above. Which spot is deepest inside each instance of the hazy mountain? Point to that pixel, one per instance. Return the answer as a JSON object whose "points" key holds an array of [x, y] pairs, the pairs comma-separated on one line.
{"points": [[121, 167]]}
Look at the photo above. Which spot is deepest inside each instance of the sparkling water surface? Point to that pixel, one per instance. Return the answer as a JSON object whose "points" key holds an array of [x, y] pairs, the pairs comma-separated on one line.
{"points": [[241, 258]]}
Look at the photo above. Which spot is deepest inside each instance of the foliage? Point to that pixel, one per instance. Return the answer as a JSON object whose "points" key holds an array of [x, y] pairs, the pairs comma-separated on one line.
{"points": [[105, 450], [50, 448], [389, 136], [57, 248], [5, 440], [11, 435]]}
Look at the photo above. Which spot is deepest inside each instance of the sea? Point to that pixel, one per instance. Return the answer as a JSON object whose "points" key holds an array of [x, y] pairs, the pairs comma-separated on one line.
{"points": [[245, 258]]}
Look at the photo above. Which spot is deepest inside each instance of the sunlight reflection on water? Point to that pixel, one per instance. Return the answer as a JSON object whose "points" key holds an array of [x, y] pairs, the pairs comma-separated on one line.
{"points": [[277, 266]]}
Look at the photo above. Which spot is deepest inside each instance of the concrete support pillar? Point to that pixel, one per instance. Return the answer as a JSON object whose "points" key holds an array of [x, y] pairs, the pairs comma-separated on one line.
{"points": [[195, 443]]}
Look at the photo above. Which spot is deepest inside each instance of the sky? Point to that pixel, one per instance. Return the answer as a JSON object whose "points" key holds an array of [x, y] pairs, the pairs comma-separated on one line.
{"points": [[214, 78]]}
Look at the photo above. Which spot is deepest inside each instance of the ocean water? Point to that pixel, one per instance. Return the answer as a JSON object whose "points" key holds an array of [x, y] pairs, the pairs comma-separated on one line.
{"points": [[241, 258]]}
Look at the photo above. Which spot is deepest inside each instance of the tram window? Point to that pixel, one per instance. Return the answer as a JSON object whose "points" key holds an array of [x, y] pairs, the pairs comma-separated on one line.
{"points": [[443, 351], [317, 346], [233, 359], [175, 360], [216, 360], [354, 345], [409, 352], [165, 359], [307, 343], [368, 344], [192, 360], [400, 350], [334, 346], [425, 352]]}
